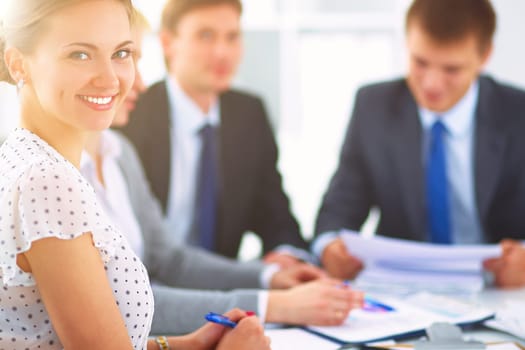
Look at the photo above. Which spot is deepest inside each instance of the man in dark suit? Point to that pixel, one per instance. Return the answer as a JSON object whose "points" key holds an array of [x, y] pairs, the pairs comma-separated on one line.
{"points": [[202, 47], [440, 153]]}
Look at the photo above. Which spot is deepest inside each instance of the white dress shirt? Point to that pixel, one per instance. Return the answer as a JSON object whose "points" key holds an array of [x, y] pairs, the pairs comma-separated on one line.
{"points": [[113, 196]]}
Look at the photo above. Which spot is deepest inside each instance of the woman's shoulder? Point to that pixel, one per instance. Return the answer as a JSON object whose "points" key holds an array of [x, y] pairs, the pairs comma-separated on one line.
{"points": [[26, 160]]}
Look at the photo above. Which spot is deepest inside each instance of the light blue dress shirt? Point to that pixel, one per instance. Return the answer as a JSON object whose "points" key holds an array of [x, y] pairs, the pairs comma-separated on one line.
{"points": [[460, 122], [186, 121]]}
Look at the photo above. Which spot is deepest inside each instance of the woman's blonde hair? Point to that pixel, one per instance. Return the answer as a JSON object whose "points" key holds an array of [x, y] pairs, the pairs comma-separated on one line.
{"points": [[139, 21], [25, 21]]}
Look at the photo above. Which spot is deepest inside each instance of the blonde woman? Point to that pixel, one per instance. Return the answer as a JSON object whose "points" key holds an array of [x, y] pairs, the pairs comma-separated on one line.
{"points": [[69, 279]]}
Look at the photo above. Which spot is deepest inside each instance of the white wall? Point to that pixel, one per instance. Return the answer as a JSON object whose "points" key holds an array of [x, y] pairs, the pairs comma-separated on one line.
{"points": [[507, 62]]}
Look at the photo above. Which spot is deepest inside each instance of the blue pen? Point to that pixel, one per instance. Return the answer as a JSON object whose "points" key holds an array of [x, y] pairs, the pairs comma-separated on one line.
{"points": [[220, 319], [374, 305]]}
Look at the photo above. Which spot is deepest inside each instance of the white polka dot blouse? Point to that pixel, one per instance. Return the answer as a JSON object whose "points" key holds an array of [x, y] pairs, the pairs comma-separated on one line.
{"points": [[43, 195]]}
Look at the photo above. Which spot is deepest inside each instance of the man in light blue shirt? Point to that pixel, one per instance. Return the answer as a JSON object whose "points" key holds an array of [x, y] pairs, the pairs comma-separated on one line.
{"points": [[439, 153]]}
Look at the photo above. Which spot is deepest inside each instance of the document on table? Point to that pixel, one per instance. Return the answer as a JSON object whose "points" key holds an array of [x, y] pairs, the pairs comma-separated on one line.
{"points": [[296, 338], [401, 266], [411, 316], [510, 319]]}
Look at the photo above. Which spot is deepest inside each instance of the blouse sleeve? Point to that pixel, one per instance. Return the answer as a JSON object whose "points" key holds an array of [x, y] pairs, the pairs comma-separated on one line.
{"points": [[50, 200]]}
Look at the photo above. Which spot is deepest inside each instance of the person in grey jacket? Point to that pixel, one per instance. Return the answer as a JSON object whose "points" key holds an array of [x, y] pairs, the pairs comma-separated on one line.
{"points": [[112, 166]]}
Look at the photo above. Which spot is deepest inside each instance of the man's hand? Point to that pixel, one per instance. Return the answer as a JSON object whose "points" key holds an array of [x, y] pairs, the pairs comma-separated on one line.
{"points": [[282, 259], [294, 275], [509, 269], [338, 263]]}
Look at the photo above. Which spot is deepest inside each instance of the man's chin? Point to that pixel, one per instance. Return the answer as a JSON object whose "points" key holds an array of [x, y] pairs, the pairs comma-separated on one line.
{"points": [[434, 104], [222, 84]]}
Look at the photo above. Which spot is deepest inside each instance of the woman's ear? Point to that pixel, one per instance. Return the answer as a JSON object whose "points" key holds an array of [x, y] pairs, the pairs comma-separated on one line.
{"points": [[15, 62]]}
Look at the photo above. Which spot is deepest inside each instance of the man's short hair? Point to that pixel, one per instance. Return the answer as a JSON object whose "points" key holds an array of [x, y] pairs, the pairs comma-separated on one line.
{"points": [[174, 10], [450, 20]]}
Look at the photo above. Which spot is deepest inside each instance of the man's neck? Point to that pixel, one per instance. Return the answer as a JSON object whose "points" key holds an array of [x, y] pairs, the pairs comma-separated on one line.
{"points": [[204, 100]]}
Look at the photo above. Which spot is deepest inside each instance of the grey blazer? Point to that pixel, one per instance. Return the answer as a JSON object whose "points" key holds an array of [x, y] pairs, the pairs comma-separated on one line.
{"points": [[381, 164], [179, 310]]}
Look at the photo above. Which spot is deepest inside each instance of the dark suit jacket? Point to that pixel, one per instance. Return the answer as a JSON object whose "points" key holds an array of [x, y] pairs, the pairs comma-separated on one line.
{"points": [[251, 195], [381, 164]]}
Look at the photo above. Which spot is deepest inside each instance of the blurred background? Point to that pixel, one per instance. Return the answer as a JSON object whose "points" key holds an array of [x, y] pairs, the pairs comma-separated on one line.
{"points": [[306, 58]]}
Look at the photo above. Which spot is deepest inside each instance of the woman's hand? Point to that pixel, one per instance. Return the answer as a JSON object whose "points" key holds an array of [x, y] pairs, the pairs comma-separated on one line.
{"points": [[323, 302], [248, 334]]}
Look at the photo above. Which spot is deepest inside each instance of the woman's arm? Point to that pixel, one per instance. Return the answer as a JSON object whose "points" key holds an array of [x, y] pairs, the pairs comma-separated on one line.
{"points": [[75, 290]]}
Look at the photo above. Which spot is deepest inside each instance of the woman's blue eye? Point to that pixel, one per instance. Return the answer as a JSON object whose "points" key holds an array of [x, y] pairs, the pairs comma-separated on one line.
{"points": [[122, 54], [79, 55]]}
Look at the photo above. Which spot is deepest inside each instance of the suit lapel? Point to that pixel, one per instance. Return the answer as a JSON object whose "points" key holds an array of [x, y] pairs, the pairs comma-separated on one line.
{"points": [[405, 147], [224, 166], [234, 178], [160, 150], [489, 146]]}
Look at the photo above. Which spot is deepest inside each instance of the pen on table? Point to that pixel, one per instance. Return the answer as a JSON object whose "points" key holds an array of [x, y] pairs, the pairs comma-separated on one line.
{"points": [[377, 304], [220, 319], [372, 304]]}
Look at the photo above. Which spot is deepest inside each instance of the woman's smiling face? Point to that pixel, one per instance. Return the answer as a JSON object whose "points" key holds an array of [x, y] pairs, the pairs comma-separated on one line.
{"points": [[82, 67]]}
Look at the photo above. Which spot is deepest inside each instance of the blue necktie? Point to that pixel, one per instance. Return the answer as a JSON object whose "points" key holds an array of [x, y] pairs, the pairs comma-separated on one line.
{"points": [[206, 191], [437, 187]]}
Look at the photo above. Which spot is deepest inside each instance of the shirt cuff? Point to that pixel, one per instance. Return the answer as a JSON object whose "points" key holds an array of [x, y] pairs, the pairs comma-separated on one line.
{"points": [[262, 304], [322, 241], [267, 274], [297, 253]]}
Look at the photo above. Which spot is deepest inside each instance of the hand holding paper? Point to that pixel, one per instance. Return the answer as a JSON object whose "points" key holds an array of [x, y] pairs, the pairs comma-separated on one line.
{"points": [[402, 266], [508, 269], [338, 261]]}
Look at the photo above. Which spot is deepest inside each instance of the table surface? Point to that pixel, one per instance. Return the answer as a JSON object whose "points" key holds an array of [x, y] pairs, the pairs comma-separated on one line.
{"points": [[490, 298]]}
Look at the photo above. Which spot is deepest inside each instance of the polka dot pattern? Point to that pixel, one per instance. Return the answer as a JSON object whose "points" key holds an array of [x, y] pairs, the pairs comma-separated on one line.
{"points": [[43, 195]]}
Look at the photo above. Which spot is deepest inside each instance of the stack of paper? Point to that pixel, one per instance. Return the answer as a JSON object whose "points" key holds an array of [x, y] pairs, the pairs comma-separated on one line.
{"points": [[402, 266]]}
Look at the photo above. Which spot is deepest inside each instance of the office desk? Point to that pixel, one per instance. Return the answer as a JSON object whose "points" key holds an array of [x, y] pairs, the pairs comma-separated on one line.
{"points": [[491, 298]]}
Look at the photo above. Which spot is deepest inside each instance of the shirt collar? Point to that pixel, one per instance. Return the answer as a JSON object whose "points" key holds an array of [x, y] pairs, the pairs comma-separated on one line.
{"points": [[182, 105], [458, 119]]}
